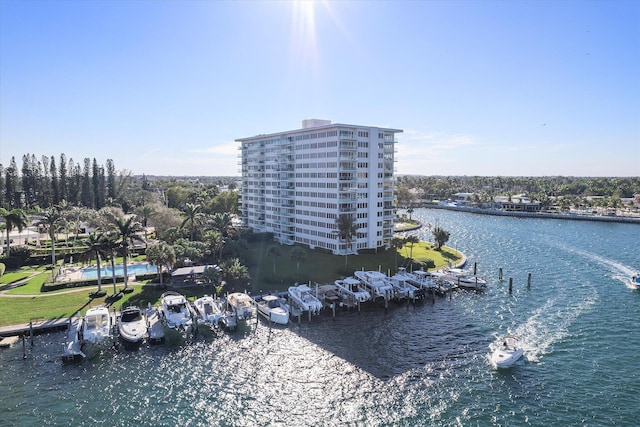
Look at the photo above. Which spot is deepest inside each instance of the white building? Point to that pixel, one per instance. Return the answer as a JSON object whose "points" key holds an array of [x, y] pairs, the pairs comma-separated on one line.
{"points": [[296, 183]]}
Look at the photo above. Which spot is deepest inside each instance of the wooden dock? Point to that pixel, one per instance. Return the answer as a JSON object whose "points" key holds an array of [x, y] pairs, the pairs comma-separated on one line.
{"points": [[36, 327]]}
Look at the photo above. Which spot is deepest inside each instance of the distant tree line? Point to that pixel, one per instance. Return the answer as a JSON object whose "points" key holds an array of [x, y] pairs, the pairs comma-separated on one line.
{"points": [[44, 182], [538, 188]]}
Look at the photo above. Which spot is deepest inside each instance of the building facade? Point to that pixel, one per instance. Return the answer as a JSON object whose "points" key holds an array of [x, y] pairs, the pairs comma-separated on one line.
{"points": [[295, 184]]}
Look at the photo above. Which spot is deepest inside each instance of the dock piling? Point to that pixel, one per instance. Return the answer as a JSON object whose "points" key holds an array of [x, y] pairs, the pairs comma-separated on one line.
{"points": [[529, 280], [500, 273], [510, 284]]}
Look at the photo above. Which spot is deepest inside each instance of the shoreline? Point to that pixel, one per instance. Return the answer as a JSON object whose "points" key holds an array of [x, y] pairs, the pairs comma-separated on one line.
{"points": [[495, 212]]}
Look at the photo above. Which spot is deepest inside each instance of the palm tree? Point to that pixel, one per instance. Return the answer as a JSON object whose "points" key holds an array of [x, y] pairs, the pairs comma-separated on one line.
{"points": [[15, 218], [216, 242], [221, 222], [193, 217], [145, 212], [397, 243], [50, 220], [347, 229], [298, 255], [96, 244], [111, 251], [273, 251], [126, 230], [412, 240], [161, 254], [410, 211]]}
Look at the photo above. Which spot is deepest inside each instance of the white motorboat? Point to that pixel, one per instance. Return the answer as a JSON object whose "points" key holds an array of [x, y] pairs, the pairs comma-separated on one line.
{"points": [[242, 304], [155, 328], [208, 311], [404, 288], [72, 344], [507, 352], [464, 279], [97, 329], [376, 283], [274, 309], [352, 289], [303, 297], [175, 311], [132, 327], [635, 281]]}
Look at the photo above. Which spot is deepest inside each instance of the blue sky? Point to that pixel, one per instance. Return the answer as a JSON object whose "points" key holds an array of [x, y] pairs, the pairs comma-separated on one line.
{"points": [[508, 88]]}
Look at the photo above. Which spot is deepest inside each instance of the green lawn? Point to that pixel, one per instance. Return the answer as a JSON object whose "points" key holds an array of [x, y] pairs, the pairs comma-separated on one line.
{"points": [[318, 267]]}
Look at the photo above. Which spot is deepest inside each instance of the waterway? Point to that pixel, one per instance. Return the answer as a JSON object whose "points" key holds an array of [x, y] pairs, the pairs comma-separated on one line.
{"points": [[412, 365]]}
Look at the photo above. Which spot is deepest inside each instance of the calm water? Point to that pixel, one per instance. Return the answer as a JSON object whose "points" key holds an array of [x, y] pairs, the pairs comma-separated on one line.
{"points": [[422, 365]]}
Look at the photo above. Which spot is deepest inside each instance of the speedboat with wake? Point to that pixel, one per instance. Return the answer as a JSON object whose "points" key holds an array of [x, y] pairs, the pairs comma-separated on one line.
{"points": [[507, 352], [635, 282]]}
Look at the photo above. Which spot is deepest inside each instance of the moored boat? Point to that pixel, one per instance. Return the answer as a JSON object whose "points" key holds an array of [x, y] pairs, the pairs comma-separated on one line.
{"points": [[303, 297], [377, 284], [464, 279], [175, 311], [208, 311], [274, 308], [97, 328], [97, 325], [352, 290], [132, 327], [242, 304], [506, 353]]}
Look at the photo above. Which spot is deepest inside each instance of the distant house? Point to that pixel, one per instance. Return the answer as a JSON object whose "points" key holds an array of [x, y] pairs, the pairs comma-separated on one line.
{"points": [[518, 203], [462, 199]]}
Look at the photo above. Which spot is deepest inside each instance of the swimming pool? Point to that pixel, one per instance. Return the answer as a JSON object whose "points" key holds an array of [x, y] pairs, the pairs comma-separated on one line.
{"points": [[105, 271]]}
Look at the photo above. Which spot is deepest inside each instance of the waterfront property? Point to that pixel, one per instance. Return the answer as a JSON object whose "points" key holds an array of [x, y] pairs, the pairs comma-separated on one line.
{"points": [[296, 184]]}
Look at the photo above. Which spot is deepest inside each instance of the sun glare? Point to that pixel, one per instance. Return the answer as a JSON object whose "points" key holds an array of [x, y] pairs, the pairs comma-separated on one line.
{"points": [[303, 27]]}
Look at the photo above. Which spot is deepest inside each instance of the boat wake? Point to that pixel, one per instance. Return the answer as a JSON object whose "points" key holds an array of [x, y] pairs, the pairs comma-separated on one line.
{"points": [[550, 324], [618, 270]]}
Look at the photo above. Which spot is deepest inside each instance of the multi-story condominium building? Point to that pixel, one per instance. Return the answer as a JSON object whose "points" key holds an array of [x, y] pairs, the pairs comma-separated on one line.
{"points": [[296, 184]]}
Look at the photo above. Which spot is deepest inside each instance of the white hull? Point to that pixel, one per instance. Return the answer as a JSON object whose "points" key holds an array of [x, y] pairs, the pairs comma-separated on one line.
{"points": [[208, 311], [376, 283], [132, 327], [242, 304], [507, 353], [506, 359], [635, 282], [274, 309], [175, 311], [303, 298], [97, 326], [352, 288]]}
